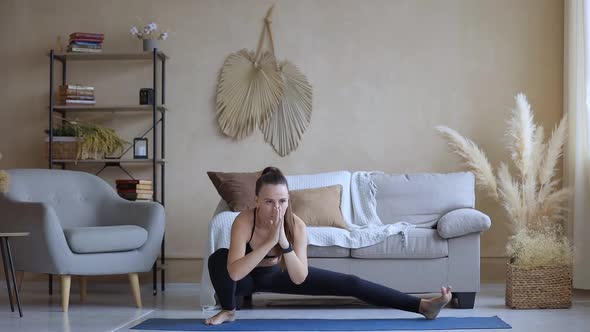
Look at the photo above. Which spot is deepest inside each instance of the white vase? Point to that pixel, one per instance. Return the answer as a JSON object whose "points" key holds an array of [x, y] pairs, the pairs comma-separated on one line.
{"points": [[149, 45]]}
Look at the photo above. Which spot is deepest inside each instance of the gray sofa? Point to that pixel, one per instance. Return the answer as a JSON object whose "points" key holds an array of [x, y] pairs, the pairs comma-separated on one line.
{"points": [[79, 226], [443, 248]]}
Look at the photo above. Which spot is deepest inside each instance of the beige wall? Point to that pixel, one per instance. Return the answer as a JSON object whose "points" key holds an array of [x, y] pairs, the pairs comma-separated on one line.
{"points": [[384, 74]]}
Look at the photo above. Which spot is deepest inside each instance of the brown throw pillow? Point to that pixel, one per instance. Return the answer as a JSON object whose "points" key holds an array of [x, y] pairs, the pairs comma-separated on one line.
{"points": [[238, 190], [319, 207]]}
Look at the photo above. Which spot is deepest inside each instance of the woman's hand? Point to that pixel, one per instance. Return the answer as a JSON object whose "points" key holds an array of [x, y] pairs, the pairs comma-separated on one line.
{"points": [[277, 228], [283, 241]]}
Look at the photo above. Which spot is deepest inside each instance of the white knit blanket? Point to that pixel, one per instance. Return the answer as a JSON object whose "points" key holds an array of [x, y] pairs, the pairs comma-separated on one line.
{"points": [[366, 230]]}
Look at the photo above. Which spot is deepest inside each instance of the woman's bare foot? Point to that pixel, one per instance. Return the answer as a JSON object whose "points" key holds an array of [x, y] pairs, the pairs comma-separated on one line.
{"points": [[222, 316], [431, 307]]}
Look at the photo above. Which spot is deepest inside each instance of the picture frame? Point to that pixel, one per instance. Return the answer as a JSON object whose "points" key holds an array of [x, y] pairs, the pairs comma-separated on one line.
{"points": [[140, 148]]}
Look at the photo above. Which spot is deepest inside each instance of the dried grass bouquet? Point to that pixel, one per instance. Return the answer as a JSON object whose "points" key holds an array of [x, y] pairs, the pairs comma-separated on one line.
{"points": [[3, 180], [535, 205]]}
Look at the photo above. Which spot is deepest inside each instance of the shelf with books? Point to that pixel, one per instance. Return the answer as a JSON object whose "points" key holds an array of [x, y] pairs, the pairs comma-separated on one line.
{"points": [[101, 108], [156, 109], [105, 56]]}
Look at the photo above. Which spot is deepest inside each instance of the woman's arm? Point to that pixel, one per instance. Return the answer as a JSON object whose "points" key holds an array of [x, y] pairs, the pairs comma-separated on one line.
{"points": [[239, 264], [296, 260]]}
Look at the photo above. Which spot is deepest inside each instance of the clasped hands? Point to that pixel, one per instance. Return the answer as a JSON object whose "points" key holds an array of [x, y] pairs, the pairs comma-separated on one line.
{"points": [[277, 233]]}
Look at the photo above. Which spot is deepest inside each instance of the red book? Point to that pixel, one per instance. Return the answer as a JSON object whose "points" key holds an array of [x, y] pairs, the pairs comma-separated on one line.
{"points": [[87, 35]]}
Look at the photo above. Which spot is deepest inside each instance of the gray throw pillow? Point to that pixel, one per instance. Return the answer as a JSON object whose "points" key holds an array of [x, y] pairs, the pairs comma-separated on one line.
{"points": [[461, 222]]}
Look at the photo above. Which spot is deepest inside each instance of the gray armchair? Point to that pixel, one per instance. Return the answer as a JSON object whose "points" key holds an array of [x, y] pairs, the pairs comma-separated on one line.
{"points": [[79, 226]]}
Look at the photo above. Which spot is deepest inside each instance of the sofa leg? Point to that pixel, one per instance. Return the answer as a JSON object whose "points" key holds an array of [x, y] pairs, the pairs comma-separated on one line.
{"points": [[248, 301], [239, 302], [243, 302], [66, 282], [464, 300]]}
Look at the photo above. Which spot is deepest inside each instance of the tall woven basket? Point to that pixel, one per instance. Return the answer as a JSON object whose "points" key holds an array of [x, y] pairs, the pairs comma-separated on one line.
{"points": [[547, 287]]}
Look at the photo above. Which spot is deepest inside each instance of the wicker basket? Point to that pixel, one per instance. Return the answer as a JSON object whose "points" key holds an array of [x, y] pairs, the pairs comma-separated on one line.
{"points": [[66, 148], [547, 287]]}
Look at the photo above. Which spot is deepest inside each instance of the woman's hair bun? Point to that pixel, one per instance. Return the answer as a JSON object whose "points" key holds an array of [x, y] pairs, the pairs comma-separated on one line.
{"points": [[271, 169]]}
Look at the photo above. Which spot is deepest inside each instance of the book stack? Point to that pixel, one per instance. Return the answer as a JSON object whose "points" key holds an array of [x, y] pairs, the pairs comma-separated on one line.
{"points": [[84, 42], [73, 94], [135, 190]]}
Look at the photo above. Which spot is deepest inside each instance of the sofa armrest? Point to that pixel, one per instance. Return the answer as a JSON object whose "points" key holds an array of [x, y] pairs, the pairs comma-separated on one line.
{"points": [[45, 250], [464, 263], [461, 222]]}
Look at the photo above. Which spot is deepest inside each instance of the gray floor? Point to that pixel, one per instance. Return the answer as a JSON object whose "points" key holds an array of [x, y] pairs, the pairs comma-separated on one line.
{"points": [[112, 310]]}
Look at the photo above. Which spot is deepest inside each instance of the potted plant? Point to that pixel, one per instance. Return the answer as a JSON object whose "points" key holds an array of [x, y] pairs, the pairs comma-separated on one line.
{"points": [[149, 35], [539, 270], [76, 140]]}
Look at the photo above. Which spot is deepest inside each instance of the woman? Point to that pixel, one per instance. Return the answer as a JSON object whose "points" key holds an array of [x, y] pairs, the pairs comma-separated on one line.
{"points": [[271, 235]]}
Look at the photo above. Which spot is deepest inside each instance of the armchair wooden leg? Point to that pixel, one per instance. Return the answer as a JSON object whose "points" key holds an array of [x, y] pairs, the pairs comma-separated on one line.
{"points": [[134, 280], [66, 282], [83, 288]]}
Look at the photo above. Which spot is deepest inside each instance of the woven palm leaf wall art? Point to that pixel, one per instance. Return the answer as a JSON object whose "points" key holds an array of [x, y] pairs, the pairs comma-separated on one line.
{"points": [[285, 127], [247, 92], [255, 90]]}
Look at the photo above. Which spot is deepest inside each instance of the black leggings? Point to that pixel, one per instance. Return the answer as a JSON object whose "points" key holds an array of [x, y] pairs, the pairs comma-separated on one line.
{"points": [[318, 282]]}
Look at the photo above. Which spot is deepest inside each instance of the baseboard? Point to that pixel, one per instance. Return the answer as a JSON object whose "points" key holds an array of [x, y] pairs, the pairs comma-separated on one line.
{"points": [[99, 287], [189, 270]]}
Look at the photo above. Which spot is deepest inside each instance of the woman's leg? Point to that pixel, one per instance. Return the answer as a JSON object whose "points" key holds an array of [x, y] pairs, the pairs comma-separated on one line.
{"points": [[324, 282], [225, 287]]}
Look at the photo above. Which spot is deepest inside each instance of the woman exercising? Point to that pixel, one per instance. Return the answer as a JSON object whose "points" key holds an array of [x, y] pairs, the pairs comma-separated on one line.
{"points": [[271, 235]]}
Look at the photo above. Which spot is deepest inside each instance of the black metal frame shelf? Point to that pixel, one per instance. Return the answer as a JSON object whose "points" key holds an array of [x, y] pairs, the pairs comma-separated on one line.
{"points": [[155, 109], [129, 108], [108, 56]]}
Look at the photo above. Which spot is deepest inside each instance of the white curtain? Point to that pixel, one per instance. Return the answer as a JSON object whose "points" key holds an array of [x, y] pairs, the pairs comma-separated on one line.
{"points": [[577, 154]]}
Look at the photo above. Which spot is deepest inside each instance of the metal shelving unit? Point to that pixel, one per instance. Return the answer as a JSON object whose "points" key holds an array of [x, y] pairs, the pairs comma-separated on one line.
{"points": [[158, 112]]}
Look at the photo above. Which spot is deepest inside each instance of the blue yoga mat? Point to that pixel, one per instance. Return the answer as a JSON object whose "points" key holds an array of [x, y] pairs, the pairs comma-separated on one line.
{"points": [[440, 323]]}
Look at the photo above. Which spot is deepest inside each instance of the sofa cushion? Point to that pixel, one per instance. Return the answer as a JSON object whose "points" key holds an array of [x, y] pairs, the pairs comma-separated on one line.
{"points": [[86, 240], [327, 252], [422, 243], [422, 198], [237, 189], [297, 182], [461, 222], [319, 207]]}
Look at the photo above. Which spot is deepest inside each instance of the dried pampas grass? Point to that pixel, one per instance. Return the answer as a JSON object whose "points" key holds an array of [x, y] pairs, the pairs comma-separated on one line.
{"points": [[531, 198], [475, 159], [3, 180]]}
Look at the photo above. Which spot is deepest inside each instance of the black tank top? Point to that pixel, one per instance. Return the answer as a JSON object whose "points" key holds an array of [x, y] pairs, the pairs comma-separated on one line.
{"points": [[248, 247]]}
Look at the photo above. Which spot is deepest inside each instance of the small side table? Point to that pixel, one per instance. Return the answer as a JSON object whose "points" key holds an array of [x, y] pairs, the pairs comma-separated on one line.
{"points": [[5, 248]]}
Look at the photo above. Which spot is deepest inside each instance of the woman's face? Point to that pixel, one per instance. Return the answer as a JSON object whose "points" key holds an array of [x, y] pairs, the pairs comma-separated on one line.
{"points": [[270, 197]]}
